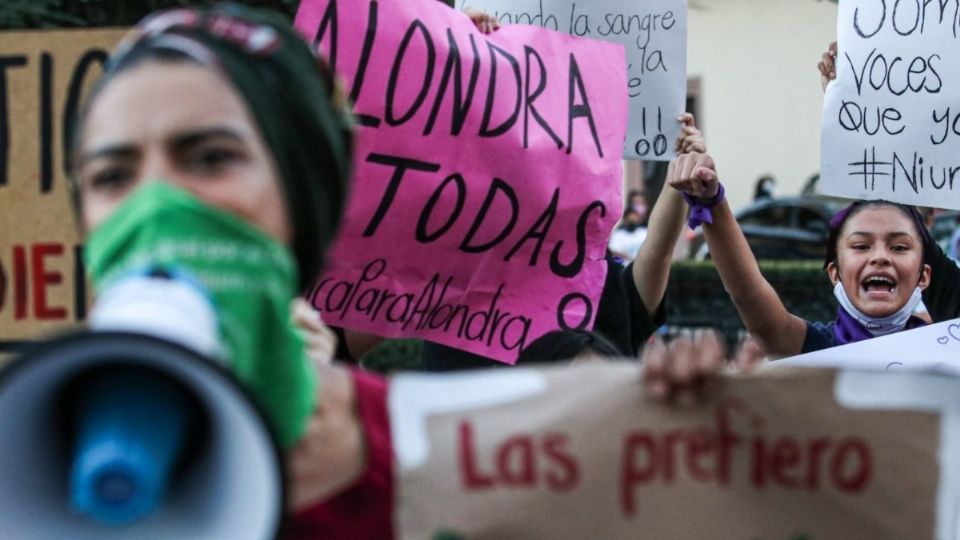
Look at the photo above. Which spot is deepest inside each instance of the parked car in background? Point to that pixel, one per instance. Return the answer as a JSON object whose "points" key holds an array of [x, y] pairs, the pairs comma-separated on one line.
{"points": [[783, 228], [944, 224]]}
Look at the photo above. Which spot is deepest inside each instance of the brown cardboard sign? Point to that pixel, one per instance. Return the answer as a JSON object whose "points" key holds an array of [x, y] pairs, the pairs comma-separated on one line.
{"points": [[578, 453], [43, 77]]}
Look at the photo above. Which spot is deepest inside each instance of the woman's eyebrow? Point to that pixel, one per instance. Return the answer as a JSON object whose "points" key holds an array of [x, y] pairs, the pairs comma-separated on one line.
{"points": [[177, 142], [120, 151], [894, 234], [189, 138]]}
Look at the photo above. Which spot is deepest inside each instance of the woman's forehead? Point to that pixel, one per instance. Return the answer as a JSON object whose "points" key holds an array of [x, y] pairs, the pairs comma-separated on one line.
{"points": [[880, 220], [157, 99]]}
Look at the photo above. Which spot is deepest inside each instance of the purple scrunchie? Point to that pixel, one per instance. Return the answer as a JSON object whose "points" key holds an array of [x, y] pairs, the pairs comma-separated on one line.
{"points": [[700, 209]]}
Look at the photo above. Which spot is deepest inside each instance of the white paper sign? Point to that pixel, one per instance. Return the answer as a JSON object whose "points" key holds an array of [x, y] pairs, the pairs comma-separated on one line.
{"points": [[930, 348], [891, 119], [654, 33]]}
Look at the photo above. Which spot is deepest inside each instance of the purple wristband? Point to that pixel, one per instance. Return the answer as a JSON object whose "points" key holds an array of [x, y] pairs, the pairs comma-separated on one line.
{"points": [[700, 209]]}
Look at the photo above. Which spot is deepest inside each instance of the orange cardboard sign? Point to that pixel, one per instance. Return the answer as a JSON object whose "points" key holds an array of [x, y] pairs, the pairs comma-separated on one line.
{"points": [[43, 78], [579, 453]]}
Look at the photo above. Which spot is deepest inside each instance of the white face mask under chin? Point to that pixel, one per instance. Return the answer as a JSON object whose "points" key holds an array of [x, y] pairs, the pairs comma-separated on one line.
{"points": [[881, 326]]}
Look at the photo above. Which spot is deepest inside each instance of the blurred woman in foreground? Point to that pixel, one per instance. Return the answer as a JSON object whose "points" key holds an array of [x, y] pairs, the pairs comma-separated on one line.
{"points": [[217, 145]]}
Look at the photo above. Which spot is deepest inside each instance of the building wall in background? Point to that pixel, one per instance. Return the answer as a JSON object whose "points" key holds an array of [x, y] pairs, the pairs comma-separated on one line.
{"points": [[760, 96]]}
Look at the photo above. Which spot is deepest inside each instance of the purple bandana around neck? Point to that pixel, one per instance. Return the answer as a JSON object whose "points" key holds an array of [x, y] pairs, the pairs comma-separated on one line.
{"points": [[846, 329]]}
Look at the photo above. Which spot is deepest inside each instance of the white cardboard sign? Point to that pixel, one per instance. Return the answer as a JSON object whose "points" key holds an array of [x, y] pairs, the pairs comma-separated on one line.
{"points": [[935, 347], [891, 119]]}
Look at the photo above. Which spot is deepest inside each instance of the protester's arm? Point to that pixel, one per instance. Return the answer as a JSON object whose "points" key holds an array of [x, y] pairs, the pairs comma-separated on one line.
{"points": [[331, 454], [651, 266], [761, 310]]}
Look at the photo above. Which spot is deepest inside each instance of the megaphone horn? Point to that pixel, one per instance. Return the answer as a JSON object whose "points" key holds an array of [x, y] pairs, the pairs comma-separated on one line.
{"points": [[230, 486]]}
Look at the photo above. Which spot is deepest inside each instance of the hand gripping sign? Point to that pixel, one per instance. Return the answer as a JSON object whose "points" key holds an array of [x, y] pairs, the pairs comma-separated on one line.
{"points": [[487, 175]]}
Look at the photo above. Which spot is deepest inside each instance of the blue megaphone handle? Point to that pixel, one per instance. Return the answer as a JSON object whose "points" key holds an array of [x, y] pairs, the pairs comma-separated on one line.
{"points": [[131, 429]]}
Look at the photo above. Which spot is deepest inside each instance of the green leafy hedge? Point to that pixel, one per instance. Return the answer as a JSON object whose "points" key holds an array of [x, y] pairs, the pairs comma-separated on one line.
{"points": [[696, 297], [394, 355]]}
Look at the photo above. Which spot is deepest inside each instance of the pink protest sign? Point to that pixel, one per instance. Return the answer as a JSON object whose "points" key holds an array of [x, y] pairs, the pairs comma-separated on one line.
{"points": [[487, 175]]}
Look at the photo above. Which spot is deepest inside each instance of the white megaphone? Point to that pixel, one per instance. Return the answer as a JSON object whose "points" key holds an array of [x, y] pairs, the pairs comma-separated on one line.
{"points": [[195, 457]]}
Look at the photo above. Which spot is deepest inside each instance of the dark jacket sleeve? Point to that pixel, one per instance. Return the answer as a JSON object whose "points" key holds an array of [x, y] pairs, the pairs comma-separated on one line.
{"points": [[942, 297], [819, 336], [622, 317]]}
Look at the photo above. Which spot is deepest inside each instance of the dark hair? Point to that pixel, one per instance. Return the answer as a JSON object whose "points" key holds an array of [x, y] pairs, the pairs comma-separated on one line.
{"points": [[841, 218], [761, 188], [291, 95], [565, 345]]}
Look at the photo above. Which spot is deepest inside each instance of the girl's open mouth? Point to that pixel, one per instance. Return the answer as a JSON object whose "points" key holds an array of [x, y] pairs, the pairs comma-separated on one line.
{"points": [[879, 286]]}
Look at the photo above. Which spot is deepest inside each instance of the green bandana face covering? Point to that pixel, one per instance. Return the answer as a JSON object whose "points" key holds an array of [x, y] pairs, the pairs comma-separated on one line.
{"points": [[250, 277]]}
